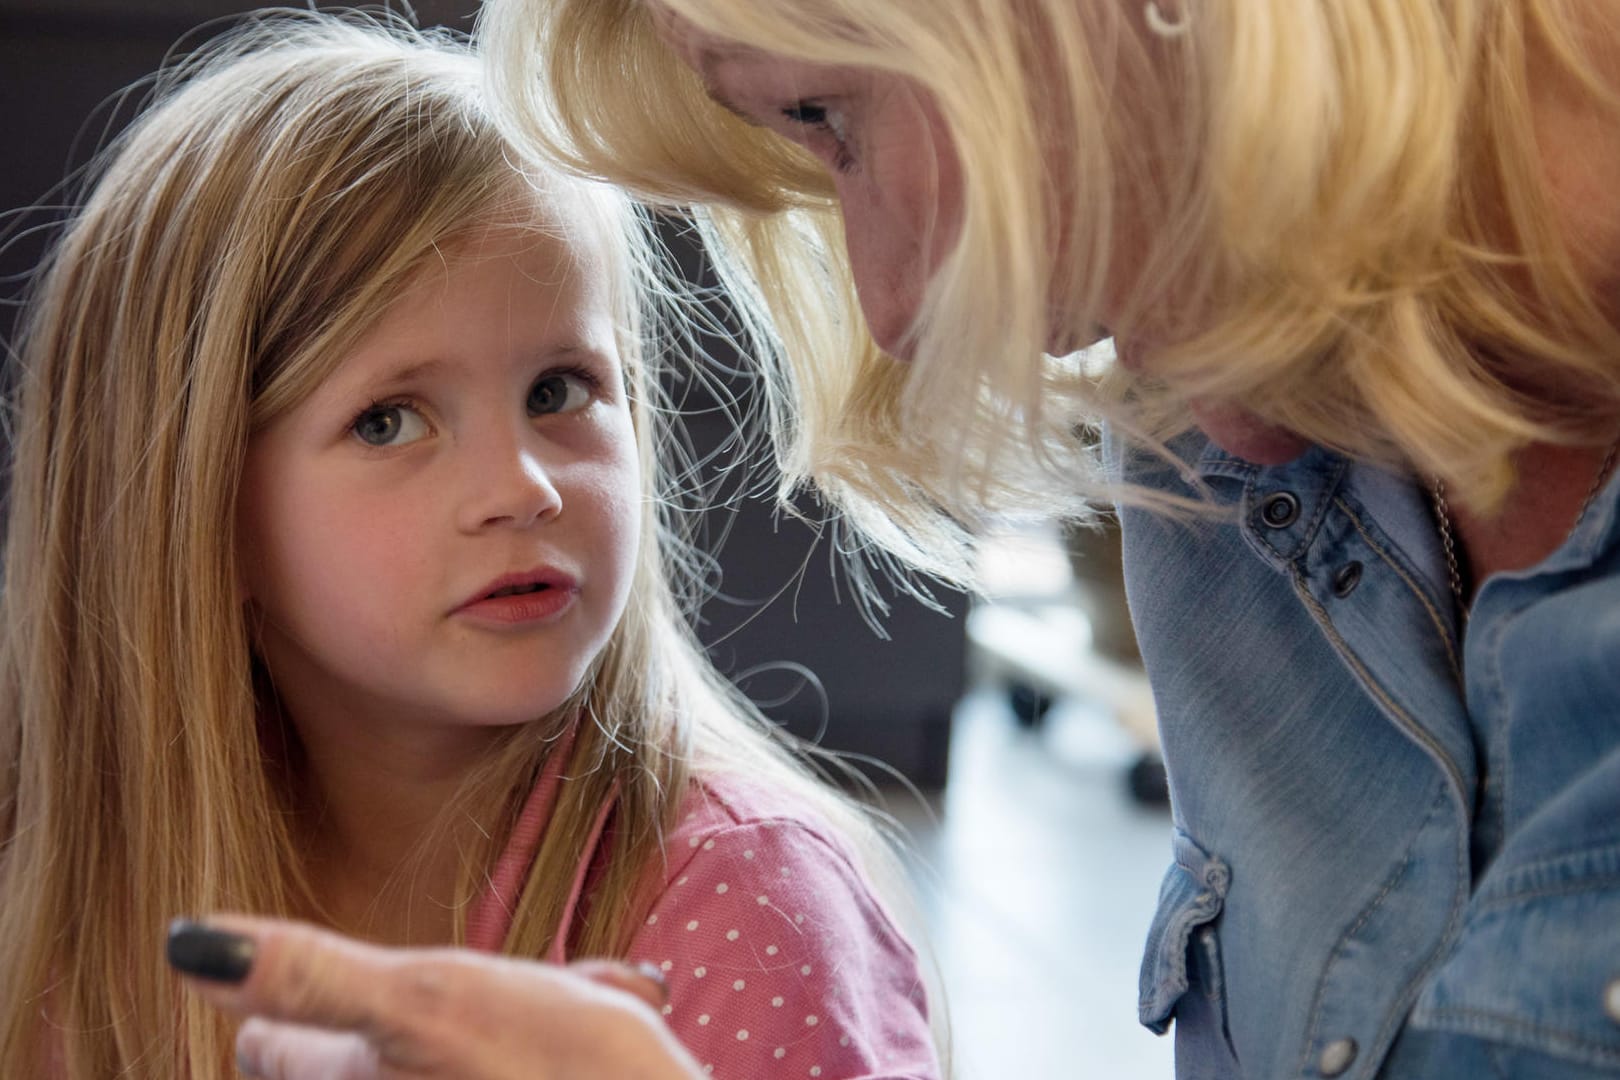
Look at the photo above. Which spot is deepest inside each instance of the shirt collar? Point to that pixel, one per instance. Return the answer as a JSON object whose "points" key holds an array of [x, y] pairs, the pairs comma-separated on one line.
{"points": [[1315, 474]]}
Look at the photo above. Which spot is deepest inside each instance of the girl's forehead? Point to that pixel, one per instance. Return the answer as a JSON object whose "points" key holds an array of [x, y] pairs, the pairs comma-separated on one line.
{"points": [[510, 266], [562, 214], [557, 233], [502, 287]]}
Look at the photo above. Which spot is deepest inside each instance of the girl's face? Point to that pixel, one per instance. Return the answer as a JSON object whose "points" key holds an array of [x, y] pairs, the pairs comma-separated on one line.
{"points": [[443, 533]]}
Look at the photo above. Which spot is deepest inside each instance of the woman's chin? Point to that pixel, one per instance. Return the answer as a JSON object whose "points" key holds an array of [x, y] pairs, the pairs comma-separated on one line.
{"points": [[1062, 340], [1242, 434]]}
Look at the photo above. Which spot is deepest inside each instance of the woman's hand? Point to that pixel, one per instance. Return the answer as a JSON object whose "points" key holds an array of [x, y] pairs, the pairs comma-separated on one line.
{"points": [[323, 1007]]}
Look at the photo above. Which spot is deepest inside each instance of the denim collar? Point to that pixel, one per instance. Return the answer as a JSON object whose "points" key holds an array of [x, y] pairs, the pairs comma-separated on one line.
{"points": [[1298, 491], [1315, 476]]}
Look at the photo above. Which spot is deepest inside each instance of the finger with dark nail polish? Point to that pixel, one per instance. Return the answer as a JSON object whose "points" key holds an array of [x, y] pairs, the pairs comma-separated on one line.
{"points": [[206, 953]]}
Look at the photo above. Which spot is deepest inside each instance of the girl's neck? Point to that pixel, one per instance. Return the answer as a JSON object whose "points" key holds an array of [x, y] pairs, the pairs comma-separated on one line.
{"points": [[382, 857]]}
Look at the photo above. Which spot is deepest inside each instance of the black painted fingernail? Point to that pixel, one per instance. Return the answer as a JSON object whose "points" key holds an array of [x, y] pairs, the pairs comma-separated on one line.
{"points": [[207, 953]]}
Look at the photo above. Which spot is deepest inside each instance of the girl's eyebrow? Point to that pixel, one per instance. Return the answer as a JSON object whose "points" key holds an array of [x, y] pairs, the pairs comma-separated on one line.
{"points": [[580, 351], [440, 366], [415, 371]]}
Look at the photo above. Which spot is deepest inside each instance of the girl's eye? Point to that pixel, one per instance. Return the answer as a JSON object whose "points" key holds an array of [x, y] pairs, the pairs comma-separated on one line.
{"points": [[389, 425], [827, 131], [559, 392]]}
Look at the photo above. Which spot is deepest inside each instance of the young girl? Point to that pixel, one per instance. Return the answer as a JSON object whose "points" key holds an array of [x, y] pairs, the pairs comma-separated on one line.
{"points": [[336, 589]]}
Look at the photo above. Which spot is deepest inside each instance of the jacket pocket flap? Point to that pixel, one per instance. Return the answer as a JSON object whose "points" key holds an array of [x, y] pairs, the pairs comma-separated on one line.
{"points": [[1193, 892]]}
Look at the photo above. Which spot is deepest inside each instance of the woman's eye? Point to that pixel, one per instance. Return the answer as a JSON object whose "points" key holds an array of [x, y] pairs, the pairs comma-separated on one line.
{"points": [[806, 112], [558, 392], [389, 425], [827, 131]]}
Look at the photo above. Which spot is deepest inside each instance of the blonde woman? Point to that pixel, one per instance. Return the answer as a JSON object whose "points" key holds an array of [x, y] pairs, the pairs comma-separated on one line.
{"points": [[1360, 263], [339, 588]]}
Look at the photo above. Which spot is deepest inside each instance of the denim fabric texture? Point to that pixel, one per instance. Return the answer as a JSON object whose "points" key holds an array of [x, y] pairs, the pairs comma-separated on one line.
{"points": [[1396, 853]]}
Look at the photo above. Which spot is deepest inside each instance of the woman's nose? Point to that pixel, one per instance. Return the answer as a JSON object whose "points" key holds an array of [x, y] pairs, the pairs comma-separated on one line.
{"points": [[887, 273], [508, 485]]}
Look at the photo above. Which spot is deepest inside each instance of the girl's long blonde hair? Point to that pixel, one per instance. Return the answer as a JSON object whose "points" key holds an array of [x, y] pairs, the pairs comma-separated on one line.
{"points": [[1346, 223], [239, 238]]}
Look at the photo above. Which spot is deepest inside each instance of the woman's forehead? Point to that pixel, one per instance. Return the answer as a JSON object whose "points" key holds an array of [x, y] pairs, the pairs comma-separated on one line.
{"points": [[697, 48]]}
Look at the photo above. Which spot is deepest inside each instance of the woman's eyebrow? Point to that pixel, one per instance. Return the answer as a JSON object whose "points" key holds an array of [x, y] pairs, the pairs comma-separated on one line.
{"points": [[711, 58]]}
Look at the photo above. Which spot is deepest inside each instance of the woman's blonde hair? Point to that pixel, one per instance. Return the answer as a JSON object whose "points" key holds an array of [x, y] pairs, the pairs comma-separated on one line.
{"points": [[1344, 222], [239, 238]]}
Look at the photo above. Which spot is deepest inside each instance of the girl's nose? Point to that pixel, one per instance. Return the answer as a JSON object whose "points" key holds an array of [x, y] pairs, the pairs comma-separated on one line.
{"points": [[512, 488]]}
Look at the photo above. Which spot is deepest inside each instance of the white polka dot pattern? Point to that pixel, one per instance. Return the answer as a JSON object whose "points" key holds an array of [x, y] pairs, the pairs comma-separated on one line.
{"points": [[779, 960]]}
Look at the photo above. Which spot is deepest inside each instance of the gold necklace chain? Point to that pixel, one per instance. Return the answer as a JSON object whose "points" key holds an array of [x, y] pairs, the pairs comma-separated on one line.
{"points": [[1448, 539]]}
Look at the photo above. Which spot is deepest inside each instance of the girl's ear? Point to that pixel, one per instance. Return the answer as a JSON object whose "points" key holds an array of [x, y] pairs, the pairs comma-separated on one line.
{"points": [[252, 617], [242, 547], [242, 595], [242, 588]]}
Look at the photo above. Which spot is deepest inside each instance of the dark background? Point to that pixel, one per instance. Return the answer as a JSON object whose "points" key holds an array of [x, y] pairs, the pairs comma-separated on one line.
{"points": [[62, 63]]}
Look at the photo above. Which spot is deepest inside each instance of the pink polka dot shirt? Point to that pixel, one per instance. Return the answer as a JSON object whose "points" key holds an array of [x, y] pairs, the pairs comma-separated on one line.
{"points": [[780, 961]]}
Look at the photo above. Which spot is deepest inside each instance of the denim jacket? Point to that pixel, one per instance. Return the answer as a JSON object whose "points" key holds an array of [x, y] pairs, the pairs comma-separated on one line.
{"points": [[1395, 854]]}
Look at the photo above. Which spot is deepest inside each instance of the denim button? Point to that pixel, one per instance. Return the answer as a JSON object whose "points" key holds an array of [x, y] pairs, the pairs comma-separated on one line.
{"points": [[1337, 1056], [1279, 510], [1346, 580], [1611, 1000]]}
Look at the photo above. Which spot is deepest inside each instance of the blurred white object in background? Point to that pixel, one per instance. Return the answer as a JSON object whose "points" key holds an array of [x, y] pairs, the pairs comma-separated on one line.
{"points": [[1043, 633]]}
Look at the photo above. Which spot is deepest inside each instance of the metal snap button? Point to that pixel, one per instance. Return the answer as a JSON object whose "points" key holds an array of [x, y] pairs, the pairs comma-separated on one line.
{"points": [[1337, 1056], [1347, 578], [1279, 510], [1611, 1000]]}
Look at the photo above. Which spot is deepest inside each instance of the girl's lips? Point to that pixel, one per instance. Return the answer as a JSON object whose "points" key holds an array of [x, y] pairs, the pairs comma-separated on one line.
{"points": [[516, 609], [525, 597]]}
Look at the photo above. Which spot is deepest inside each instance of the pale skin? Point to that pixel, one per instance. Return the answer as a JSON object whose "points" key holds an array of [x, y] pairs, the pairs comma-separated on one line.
{"points": [[499, 442], [897, 209]]}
